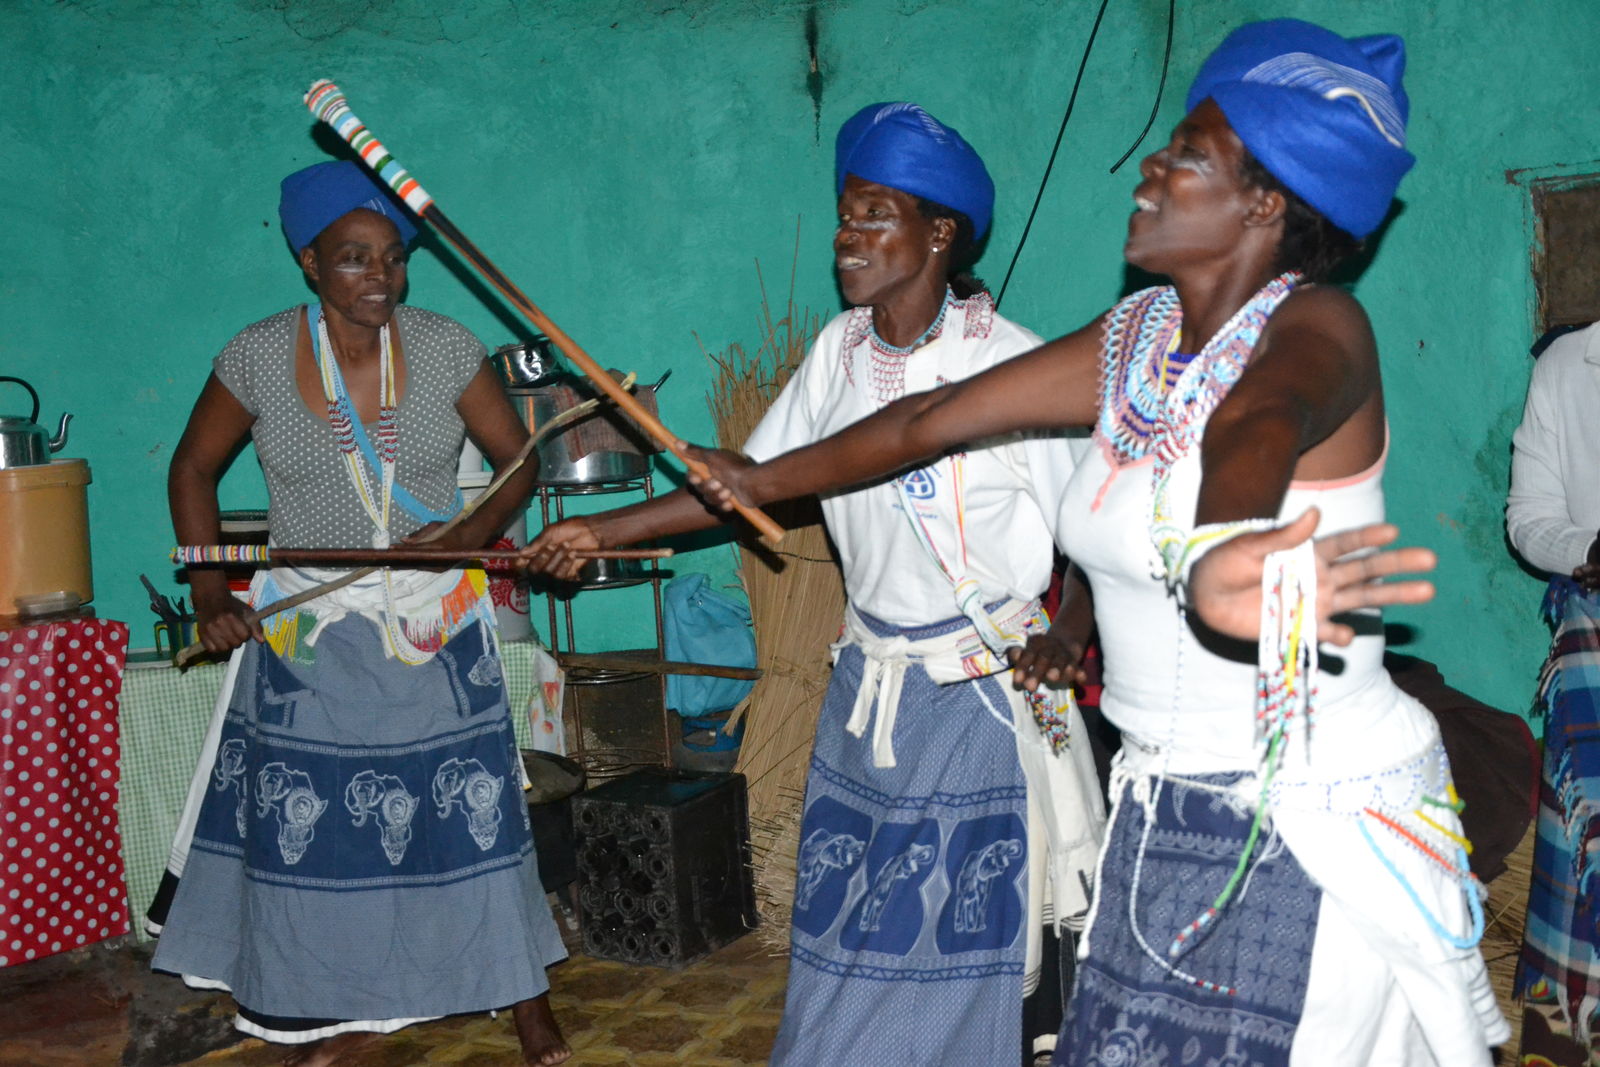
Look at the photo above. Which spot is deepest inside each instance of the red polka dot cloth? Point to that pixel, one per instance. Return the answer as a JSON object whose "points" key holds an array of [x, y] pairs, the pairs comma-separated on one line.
{"points": [[61, 882]]}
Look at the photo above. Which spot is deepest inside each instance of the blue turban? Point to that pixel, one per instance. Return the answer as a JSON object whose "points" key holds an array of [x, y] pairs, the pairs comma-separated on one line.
{"points": [[905, 148], [1324, 114], [314, 198]]}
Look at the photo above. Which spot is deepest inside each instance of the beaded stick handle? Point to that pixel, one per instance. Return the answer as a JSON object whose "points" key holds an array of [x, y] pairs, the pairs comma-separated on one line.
{"points": [[398, 556], [328, 103]]}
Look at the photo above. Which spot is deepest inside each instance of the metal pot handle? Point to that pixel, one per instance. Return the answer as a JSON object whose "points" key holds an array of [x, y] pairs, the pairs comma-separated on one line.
{"points": [[35, 416]]}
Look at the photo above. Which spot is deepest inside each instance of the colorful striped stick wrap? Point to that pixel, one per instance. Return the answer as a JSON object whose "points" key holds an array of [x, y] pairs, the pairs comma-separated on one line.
{"points": [[185, 555], [327, 103]]}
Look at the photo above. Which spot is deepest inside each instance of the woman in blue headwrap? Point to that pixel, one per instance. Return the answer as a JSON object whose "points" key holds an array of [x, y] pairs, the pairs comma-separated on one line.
{"points": [[1271, 891], [355, 854], [945, 810]]}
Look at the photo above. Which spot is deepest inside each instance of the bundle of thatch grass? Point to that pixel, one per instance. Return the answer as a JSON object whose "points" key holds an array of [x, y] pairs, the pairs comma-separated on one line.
{"points": [[796, 603], [1504, 918]]}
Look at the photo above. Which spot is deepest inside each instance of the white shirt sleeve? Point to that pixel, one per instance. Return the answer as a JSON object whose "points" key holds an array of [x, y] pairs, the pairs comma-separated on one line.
{"points": [[1538, 512], [791, 421]]}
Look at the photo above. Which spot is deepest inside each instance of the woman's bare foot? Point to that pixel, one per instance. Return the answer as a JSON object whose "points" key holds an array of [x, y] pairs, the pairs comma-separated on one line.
{"points": [[542, 1043], [330, 1050]]}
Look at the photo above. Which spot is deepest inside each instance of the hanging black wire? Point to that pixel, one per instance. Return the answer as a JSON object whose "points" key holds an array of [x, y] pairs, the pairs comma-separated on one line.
{"points": [[1071, 100], [1160, 88]]}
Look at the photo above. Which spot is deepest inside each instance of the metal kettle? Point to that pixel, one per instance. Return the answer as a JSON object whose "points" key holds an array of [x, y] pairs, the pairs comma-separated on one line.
{"points": [[23, 442]]}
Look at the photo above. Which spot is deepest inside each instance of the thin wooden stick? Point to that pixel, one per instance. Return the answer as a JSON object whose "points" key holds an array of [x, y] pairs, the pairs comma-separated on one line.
{"points": [[327, 102], [572, 414], [614, 662]]}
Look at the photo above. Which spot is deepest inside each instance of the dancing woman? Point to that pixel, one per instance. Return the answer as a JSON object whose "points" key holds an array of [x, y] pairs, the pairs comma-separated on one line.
{"points": [[1272, 890]]}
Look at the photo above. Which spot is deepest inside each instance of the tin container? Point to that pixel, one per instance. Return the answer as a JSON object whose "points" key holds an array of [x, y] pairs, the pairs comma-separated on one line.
{"points": [[44, 532]]}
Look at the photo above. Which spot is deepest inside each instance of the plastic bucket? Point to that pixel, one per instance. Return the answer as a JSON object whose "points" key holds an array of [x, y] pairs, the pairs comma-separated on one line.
{"points": [[44, 531], [509, 591]]}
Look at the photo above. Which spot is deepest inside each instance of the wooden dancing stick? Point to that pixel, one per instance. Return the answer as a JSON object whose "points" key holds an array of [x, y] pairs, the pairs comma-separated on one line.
{"points": [[613, 662], [398, 556], [328, 103], [551, 425]]}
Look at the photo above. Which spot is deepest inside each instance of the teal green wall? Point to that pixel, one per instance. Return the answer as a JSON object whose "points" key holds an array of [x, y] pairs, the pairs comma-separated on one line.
{"points": [[627, 164]]}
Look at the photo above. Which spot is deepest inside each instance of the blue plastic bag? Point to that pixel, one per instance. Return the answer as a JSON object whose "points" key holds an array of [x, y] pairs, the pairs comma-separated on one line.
{"points": [[705, 626]]}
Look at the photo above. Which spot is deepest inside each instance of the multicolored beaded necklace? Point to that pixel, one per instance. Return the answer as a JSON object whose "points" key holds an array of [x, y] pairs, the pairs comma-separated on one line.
{"points": [[1142, 413], [342, 417]]}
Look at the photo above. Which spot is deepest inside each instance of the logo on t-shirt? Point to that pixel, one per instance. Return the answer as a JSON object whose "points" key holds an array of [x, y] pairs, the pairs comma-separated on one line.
{"points": [[919, 485]]}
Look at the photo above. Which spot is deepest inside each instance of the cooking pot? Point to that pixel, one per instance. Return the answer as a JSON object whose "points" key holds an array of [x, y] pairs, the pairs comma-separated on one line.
{"points": [[599, 572], [557, 466], [527, 364], [23, 442]]}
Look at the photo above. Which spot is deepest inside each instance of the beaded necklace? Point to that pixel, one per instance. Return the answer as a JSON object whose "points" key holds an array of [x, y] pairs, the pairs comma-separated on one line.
{"points": [[342, 417], [1141, 342], [886, 367], [1180, 411], [931, 332]]}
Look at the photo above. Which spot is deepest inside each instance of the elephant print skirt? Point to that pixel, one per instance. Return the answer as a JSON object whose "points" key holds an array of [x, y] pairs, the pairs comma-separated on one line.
{"points": [[911, 882], [362, 856]]}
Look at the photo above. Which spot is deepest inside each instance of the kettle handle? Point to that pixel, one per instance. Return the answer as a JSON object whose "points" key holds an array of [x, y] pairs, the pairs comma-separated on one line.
{"points": [[35, 416]]}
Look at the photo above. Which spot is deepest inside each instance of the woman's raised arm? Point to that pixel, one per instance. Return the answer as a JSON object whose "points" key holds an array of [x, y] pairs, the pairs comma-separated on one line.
{"points": [[1055, 386]]}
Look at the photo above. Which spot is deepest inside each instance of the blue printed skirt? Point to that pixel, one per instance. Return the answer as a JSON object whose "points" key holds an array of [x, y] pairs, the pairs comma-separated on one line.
{"points": [[363, 851], [911, 882], [1129, 1009]]}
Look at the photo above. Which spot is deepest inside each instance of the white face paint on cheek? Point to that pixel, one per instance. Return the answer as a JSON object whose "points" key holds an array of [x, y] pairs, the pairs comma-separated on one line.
{"points": [[876, 225]]}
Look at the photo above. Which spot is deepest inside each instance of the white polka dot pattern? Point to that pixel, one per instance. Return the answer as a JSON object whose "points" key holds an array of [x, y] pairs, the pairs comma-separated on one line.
{"points": [[61, 878]]}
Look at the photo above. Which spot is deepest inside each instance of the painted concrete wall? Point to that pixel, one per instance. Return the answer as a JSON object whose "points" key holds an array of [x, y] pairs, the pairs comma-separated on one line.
{"points": [[628, 163]]}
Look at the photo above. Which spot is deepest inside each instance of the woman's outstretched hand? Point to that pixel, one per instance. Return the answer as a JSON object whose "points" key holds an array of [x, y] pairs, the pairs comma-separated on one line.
{"points": [[1049, 658], [551, 553], [1225, 585], [725, 480]]}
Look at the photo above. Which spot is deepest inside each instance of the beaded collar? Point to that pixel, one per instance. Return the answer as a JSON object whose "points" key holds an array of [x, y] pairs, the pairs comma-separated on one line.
{"points": [[1141, 335], [887, 363], [1140, 416]]}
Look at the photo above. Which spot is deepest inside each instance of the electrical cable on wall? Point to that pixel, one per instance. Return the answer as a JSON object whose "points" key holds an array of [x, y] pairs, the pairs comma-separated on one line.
{"points": [[1166, 58], [1050, 164], [1071, 100]]}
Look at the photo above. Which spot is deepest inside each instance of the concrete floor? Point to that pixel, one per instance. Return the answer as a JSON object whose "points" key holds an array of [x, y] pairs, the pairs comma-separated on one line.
{"points": [[102, 1007]]}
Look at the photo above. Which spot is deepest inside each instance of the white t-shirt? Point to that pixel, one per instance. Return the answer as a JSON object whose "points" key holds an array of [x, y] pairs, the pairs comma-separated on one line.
{"points": [[849, 375], [1553, 510]]}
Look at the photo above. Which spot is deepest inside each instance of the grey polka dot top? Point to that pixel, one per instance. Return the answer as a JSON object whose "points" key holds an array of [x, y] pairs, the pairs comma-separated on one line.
{"points": [[312, 503]]}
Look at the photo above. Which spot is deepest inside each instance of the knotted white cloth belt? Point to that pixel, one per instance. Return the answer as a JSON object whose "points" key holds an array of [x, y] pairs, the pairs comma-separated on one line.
{"points": [[945, 659]]}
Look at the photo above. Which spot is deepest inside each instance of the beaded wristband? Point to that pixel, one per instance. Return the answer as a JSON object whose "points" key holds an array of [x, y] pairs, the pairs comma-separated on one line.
{"points": [[1179, 554]]}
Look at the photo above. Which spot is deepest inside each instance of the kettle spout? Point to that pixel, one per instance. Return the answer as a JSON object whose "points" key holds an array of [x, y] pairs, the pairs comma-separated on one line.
{"points": [[60, 439]]}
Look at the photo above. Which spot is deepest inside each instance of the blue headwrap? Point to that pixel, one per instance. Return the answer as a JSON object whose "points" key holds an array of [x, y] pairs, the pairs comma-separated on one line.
{"points": [[314, 198], [905, 148], [1324, 114]]}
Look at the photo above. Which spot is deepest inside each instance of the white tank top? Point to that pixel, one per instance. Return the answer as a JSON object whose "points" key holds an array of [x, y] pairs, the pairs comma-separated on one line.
{"points": [[1172, 694]]}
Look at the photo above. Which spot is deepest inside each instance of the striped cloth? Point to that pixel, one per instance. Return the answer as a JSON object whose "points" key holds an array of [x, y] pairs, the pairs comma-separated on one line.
{"points": [[1561, 949]]}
